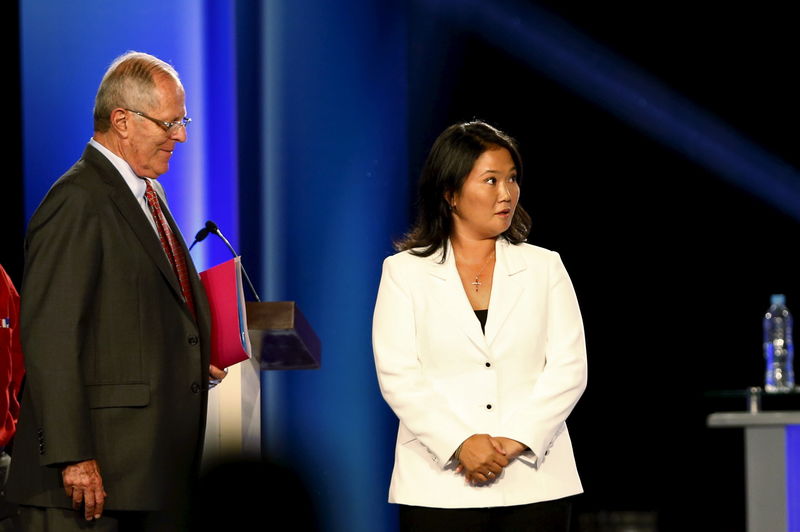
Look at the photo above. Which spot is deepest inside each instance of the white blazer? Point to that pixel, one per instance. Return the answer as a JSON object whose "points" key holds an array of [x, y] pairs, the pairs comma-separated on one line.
{"points": [[446, 381]]}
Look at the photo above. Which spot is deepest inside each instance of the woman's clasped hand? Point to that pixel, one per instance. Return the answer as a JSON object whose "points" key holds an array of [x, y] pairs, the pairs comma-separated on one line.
{"points": [[481, 458]]}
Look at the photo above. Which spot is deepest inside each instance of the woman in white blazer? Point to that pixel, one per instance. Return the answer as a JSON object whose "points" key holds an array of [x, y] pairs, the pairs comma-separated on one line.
{"points": [[479, 350]]}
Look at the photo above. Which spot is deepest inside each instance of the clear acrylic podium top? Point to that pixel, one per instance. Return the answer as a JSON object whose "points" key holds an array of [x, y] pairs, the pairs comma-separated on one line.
{"points": [[756, 398]]}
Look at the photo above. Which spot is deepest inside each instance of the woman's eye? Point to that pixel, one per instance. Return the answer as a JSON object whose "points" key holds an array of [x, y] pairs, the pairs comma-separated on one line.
{"points": [[492, 180], [512, 179]]}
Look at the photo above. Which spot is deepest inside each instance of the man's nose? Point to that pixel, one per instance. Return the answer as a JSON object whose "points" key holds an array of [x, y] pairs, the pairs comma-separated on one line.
{"points": [[178, 133]]}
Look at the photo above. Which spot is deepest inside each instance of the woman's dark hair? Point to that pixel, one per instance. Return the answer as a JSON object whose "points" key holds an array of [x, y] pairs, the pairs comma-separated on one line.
{"points": [[450, 161]]}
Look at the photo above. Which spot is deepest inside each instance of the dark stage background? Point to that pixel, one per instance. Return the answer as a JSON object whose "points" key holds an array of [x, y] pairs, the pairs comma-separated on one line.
{"points": [[11, 205], [672, 263]]}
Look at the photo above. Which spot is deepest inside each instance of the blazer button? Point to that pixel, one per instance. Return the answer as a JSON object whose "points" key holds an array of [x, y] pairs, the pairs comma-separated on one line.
{"points": [[194, 340], [488, 407], [195, 387], [488, 364]]}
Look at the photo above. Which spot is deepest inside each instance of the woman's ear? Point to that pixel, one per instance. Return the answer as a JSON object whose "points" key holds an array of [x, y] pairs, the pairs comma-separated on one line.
{"points": [[449, 197]]}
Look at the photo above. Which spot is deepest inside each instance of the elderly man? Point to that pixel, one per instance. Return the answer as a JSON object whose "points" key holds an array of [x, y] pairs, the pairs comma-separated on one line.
{"points": [[115, 326]]}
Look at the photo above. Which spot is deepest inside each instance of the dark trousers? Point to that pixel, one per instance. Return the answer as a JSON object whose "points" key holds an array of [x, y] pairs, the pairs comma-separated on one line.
{"points": [[7, 509], [35, 519], [547, 516]]}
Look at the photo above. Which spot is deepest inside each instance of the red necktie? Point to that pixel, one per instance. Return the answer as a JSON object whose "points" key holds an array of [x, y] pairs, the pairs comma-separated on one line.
{"points": [[171, 246]]}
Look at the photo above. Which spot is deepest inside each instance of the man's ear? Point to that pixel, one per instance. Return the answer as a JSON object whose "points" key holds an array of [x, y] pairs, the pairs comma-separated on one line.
{"points": [[119, 122]]}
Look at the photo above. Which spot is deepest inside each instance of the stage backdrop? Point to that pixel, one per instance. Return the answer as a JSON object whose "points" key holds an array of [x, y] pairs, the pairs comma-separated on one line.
{"points": [[333, 193], [297, 150]]}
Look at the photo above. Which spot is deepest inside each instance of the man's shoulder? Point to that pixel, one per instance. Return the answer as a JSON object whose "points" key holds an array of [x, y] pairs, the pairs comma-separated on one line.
{"points": [[81, 186], [76, 183], [89, 173]]}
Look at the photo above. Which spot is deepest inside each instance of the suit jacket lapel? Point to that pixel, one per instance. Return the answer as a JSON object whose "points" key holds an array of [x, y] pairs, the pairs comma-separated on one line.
{"points": [[450, 292], [132, 212], [507, 287]]}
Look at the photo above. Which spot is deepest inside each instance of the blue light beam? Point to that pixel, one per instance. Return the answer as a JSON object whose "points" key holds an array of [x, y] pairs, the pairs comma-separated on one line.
{"points": [[549, 45]]}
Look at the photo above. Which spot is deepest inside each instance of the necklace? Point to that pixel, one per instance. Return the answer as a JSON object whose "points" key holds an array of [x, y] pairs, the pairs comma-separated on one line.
{"points": [[477, 282]]}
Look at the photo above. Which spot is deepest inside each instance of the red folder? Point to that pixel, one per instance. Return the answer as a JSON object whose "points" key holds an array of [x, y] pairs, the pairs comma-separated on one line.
{"points": [[230, 343]]}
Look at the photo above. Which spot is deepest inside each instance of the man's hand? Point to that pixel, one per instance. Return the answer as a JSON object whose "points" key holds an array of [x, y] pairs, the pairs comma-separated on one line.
{"points": [[481, 458], [215, 375], [83, 483]]}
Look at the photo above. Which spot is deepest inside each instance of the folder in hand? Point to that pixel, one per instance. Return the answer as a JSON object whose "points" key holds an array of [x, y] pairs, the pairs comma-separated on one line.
{"points": [[230, 342]]}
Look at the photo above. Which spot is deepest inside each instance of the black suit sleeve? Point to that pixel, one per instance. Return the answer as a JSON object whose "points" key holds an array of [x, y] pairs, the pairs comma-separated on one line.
{"points": [[63, 256]]}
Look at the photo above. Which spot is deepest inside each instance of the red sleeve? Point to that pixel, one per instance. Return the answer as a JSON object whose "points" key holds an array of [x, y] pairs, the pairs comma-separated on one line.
{"points": [[12, 368]]}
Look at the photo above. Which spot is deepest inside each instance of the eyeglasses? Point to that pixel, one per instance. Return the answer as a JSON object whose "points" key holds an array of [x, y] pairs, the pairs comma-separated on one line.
{"points": [[166, 126]]}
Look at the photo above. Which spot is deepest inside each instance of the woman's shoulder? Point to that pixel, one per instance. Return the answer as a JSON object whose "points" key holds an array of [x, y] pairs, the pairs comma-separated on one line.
{"points": [[532, 251], [411, 258], [537, 258]]}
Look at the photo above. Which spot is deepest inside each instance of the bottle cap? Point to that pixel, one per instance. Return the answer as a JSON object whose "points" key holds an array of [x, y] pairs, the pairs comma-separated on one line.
{"points": [[778, 299]]}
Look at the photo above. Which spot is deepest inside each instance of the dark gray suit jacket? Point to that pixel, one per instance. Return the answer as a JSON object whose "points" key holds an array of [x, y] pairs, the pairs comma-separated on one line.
{"points": [[117, 367]]}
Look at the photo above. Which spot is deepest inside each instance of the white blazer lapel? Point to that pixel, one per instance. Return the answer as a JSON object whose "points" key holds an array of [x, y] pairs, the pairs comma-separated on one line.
{"points": [[450, 293], [507, 287]]}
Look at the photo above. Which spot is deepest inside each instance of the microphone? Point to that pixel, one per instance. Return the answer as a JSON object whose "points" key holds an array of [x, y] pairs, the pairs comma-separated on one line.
{"points": [[212, 228], [203, 233]]}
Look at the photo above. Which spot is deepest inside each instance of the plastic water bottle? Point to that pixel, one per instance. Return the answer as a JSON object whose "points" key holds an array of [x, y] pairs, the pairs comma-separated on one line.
{"points": [[778, 347]]}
